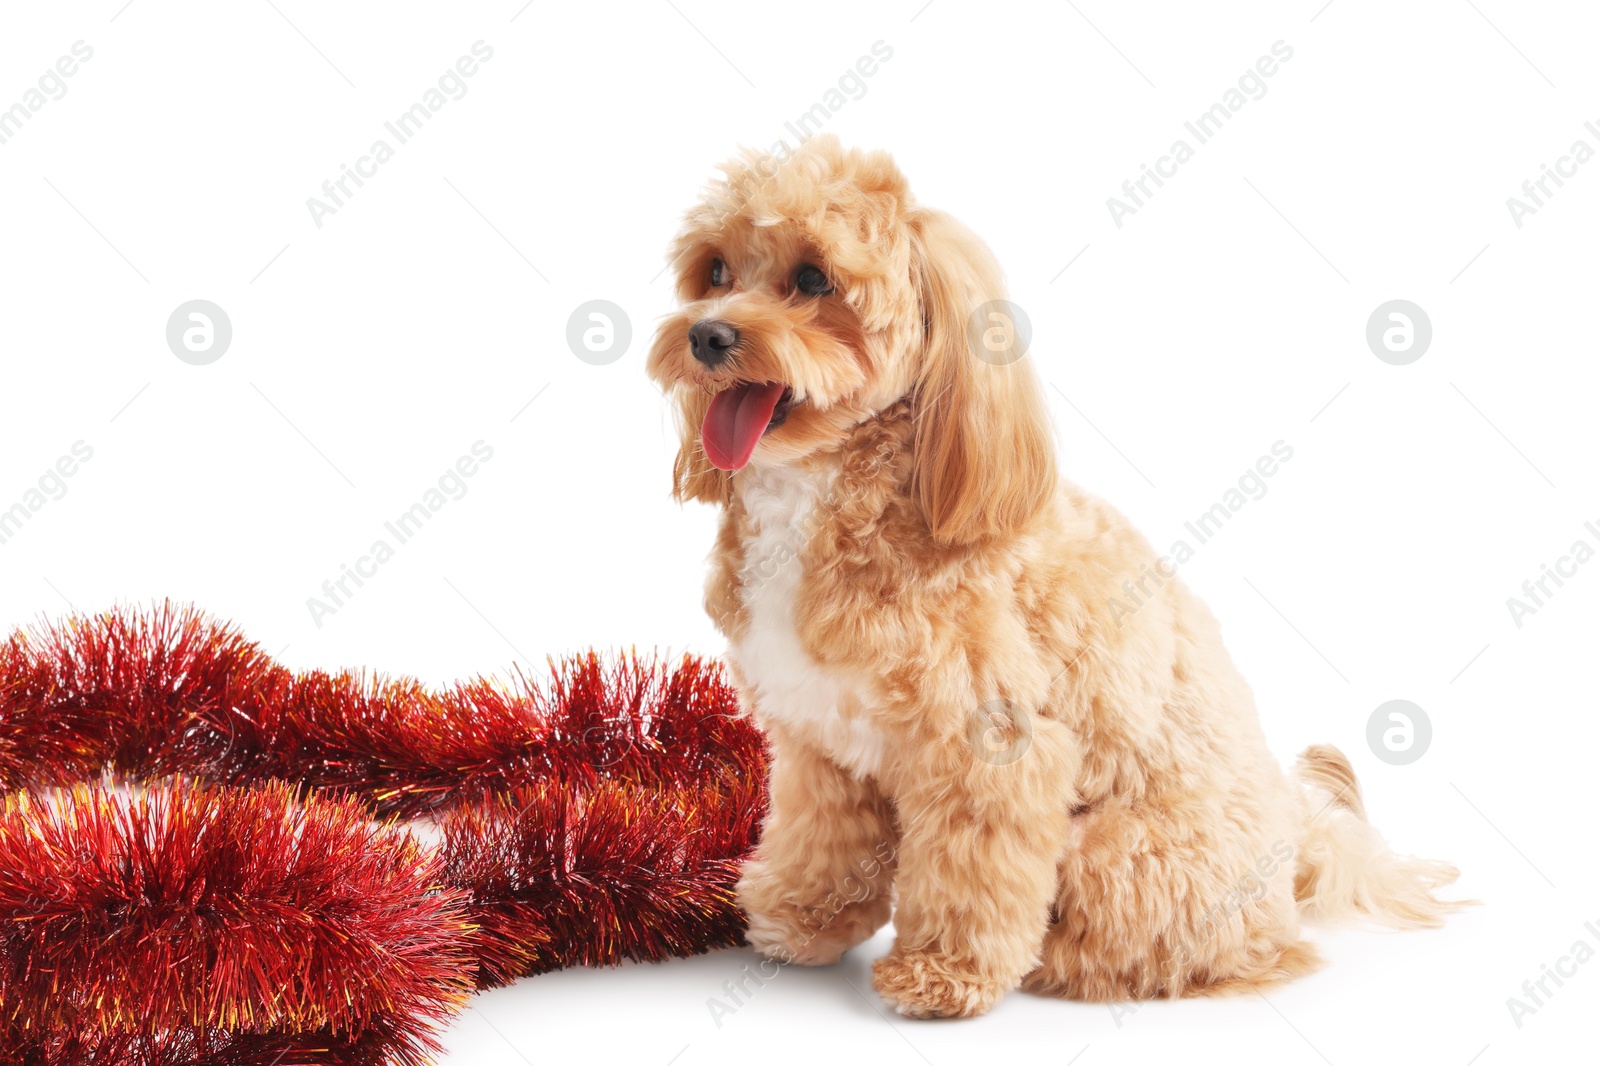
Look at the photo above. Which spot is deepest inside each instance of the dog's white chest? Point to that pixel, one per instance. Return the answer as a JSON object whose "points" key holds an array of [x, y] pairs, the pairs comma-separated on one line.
{"points": [[825, 705]]}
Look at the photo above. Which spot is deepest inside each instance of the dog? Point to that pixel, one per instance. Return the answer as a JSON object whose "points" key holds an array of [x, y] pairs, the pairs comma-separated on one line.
{"points": [[1053, 793]]}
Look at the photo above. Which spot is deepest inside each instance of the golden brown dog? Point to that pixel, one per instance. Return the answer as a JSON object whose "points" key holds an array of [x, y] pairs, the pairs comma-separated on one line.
{"points": [[1055, 795]]}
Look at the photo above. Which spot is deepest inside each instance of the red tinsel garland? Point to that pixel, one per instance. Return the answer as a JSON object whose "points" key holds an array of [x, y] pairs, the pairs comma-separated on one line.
{"points": [[242, 905], [236, 916]]}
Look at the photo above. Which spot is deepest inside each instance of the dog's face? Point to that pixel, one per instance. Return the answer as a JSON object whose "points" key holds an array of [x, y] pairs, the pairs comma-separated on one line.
{"points": [[815, 294], [798, 306]]}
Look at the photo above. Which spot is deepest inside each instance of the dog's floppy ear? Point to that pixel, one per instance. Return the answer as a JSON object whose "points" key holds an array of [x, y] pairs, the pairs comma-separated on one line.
{"points": [[984, 463], [693, 476]]}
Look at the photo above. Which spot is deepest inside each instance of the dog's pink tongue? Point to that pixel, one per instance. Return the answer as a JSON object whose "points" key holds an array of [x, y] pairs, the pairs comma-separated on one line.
{"points": [[735, 421]]}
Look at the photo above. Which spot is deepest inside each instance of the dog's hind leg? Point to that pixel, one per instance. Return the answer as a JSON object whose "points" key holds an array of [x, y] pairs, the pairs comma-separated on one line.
{"points": [[1172, 898]]}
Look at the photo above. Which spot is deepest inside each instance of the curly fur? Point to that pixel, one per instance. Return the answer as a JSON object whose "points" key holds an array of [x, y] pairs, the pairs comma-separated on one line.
{"points": [[1054, 795]]}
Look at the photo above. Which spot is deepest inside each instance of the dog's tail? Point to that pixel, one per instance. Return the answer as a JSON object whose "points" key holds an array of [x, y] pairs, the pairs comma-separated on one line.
{"points": [[1345, 868]]}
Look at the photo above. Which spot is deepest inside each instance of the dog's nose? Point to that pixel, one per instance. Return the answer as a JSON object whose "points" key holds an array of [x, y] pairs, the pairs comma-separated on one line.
{"points": [[710, 340]]}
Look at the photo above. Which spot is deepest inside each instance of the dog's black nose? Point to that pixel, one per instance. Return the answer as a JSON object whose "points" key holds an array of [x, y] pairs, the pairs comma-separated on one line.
{"points": [[710, 340]]}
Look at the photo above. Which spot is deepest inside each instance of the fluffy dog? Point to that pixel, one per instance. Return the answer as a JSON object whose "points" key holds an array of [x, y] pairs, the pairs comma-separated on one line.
{"points": [[1055, 794]]}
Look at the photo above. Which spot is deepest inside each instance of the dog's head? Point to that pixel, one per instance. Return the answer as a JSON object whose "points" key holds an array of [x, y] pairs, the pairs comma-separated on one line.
{"points": [[815, 294]]}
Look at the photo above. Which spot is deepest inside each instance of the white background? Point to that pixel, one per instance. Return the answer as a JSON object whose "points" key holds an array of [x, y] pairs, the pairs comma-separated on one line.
{"points": [[1227, 314]]}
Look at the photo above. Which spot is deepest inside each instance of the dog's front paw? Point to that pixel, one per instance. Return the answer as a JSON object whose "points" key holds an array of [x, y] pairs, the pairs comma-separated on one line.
{"points": [[815, 937], [925, 985], [807, 936]]}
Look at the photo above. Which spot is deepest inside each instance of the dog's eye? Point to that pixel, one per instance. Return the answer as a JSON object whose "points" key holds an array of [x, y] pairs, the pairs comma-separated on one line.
{"points": [[719, 273], [812, 281]]}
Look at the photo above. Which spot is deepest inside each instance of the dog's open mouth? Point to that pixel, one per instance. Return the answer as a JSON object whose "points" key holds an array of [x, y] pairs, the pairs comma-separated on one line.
{"points": [[737, 418]]}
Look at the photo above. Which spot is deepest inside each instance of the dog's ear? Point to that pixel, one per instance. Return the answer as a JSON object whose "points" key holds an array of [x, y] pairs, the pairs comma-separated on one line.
{"points": [[984, 463], [693, 476]]}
